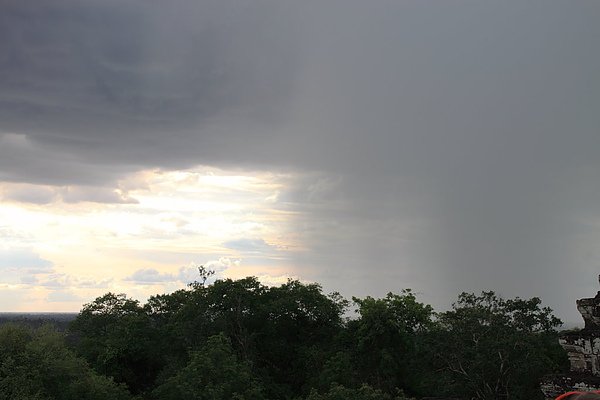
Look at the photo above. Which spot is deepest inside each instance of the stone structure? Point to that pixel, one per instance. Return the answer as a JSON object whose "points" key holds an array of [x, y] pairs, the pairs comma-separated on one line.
{"points": [[583, 349]]}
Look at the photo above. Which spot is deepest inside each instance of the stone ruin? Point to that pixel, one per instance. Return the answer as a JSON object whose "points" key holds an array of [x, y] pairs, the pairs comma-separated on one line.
{"points": [[583, 349]]}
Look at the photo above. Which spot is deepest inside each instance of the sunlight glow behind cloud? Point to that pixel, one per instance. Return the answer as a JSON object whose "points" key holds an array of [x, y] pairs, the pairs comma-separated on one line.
{"points": [[177, 219]]}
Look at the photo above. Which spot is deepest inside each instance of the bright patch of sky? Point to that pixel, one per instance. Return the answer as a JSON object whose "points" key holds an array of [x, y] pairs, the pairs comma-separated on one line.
{"points": [[56, 255]]}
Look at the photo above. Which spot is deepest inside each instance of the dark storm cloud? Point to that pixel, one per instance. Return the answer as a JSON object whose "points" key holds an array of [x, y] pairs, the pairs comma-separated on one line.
{"points": [[457, 141], [133, 83], [466, 134]]}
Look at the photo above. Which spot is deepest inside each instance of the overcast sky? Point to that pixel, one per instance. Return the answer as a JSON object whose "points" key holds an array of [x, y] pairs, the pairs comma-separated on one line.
{"points": [[370, 146]]}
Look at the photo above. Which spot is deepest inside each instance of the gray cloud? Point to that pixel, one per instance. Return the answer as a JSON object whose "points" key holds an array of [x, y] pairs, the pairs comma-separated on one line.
{"points": [[46, 194], [250, 245], [79, 194], [150, 275], [59, 281], [185, 275], [29, 194], [58, 296], [22, 265], [454, 146], [23, 259], [134, 84]]}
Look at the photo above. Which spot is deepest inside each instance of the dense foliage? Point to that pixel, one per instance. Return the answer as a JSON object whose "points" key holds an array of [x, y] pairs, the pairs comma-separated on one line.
{"points": [[239, 339], [36, 365]]}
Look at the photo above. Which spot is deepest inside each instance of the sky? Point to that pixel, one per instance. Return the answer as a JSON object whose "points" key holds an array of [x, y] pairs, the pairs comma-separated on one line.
{"points": [[443, 146]]}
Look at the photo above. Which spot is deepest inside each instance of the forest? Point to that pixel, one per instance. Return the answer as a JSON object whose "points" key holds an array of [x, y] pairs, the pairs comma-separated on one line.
{"points": [[242, 340]]}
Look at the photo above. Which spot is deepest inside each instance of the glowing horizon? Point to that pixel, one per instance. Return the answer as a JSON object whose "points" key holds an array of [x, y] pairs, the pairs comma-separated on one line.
{"points": [[65, 253]]}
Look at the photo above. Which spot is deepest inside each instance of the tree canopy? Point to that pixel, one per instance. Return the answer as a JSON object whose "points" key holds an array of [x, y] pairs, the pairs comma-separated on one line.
{"points": [[239, 339], [492, 348], [36, 364]]}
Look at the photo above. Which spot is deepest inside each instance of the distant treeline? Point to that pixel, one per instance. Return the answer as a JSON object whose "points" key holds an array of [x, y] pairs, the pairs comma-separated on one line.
{"points": [[60, 321], [239, 339]]}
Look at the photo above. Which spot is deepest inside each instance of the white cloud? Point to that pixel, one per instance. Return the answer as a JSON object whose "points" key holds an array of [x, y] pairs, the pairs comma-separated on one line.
{"points": [[222, 264]]}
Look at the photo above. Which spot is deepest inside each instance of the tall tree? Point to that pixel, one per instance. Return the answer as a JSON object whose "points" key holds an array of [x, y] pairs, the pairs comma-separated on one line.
{"points": [[297, 327], [492, 348], [385, 337], [115, 335]]}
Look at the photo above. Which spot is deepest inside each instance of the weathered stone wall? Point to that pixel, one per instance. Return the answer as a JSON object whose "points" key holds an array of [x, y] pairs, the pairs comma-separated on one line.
{"points": [[554, 385], [590, 311], [583, 349]]}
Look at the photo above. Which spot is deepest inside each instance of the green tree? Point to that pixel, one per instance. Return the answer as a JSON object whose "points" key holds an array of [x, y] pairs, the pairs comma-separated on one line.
{"points": [[492, 348], [172, 329], [115, 335], [233, 309], [285, 333], [337, 369], [296, 329], [213, 373], [385, 339], [36, 364]]}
